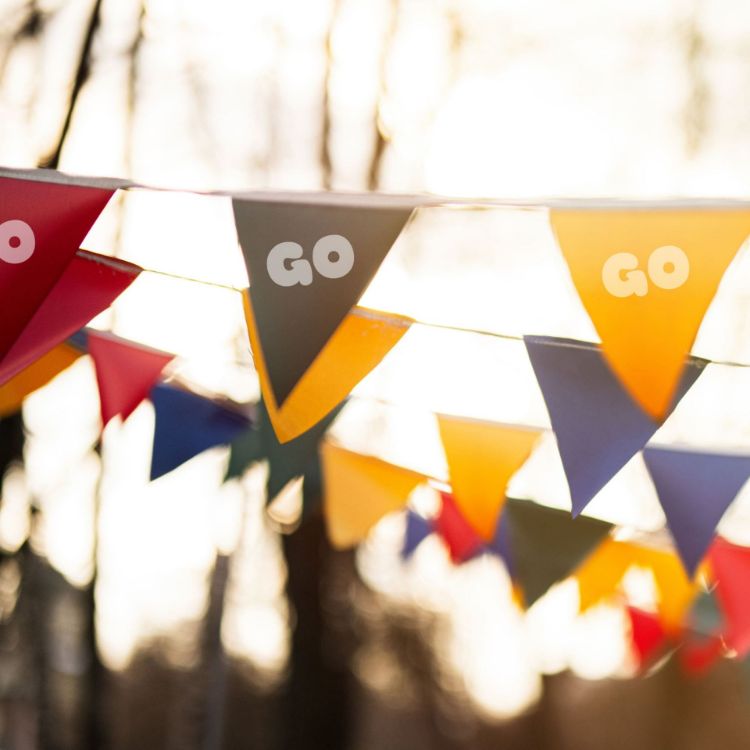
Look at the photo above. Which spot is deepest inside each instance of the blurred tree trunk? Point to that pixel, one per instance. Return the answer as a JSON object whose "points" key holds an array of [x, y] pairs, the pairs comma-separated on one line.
{"points": [[316, 704]]}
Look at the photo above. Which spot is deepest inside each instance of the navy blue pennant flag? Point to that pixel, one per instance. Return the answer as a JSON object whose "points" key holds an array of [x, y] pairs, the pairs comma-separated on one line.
{"points": [[417, 530], [188, 424]]}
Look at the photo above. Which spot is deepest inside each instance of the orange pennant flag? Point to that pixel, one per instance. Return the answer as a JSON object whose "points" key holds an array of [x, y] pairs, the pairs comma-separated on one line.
{"points": [[675, 590], [358, 491], [646, 278], [482, 457], [357, 346], [33, 377], [599, 575]]}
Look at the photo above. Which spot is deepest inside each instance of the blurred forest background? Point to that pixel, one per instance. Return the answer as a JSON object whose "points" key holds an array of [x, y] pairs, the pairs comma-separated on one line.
{"points": [[177, 615]]}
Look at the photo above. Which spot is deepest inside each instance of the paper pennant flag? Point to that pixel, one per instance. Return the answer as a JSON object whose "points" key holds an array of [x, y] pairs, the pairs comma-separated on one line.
{"points": [[697, 656], [676, 592], [36, 375], [417, 530], [648, 636], [705, 616], [88, 285], [286, 461], [358, 491], [459, 536], [600, 574], [547, 545], [598, 427], [482, 457], [357, 346], [695, 489], [730, 565], [42, 226], [646, 278], [188, 424], [125, 372], [308, 265]]}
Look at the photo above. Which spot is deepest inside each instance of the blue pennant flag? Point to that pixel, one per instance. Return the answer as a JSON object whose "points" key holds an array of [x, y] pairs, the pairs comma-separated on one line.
{"points": [[417, 530], [188, 424], [695, 489], [598, 426]]}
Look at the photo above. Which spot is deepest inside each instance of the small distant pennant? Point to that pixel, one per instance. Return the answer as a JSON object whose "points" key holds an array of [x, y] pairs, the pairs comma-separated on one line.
{"points": [[730, 567], [286, 461], [125, 372], [460, 538], [359, 490], [695, 489], [188, 424], [598, 426], [547, 545], [482, 457], [418, 529]]}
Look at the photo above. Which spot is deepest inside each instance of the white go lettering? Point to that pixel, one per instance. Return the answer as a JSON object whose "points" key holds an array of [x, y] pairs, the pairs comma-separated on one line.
{"points": [[332, 257], [17, 241], [668, 268]]}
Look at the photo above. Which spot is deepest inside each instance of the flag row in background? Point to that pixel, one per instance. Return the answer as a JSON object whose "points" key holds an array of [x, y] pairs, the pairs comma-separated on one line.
{"points": [[646, 275], [700, 611]]}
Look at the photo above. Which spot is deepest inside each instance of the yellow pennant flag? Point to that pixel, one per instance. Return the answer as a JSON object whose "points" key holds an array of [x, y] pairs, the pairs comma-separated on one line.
{"points": [[357, 346], [358, 491], [599, 575], [482, 457], [675, 590], [646, 278], [36, 375]]}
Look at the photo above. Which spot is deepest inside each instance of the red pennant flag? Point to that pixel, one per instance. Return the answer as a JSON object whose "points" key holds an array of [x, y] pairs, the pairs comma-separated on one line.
{"points": [[125, 372], [730, 564], [457, 533], [698, 656], [648, 635], [42, 225], [88, 285]]}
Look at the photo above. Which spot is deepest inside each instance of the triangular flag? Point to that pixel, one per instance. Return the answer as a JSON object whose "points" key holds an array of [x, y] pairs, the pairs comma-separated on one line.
{"points": [[36, 375], [598, 427], [417, 530], [286, 461], [705, 616], [358, 491], [675, 591], [308, 265], [698, 655], [188, 424], [730, 566], [695, 489], [648, 636], [42, 226], [600, 574], [482, 457], [547, 545], [88, 285], [646, 277], [125, 372], [357, 346], [459, 536]]}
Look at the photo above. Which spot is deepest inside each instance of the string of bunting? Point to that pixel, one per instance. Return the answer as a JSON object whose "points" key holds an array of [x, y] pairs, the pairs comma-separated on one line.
{"points": [[645, 273]]}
